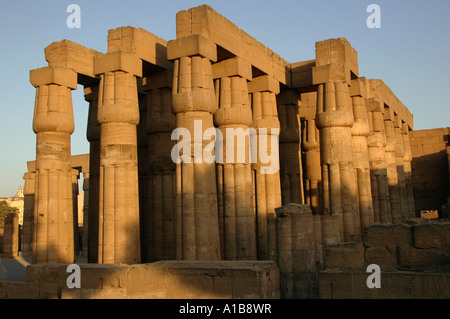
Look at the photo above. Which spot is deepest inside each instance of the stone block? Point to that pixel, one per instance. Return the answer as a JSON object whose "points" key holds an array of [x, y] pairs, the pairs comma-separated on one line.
{"points": [[419, 259], [337, 51], [19, 290], [302, 73], [117, 61], [232, 67], [394, 285], [382, 256], [330, 73], [140, 43], [288, 97], [73, 56], [190, 46], [207, 22], [388, 235], [264, 83], [344, 255], [102, 276], [359, 87], [432, 235], [158, 80], [53, 75]]}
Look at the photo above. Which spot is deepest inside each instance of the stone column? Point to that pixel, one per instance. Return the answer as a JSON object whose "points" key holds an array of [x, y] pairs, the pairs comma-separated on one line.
{"points": [[360, 131], [194, 103], [392, 166], [28, 213], [263, 92], [143, 170], [291, 170], [85, 240], [334, 120], [376, 142], [11, 235], [407, 159], [313, 174], [53, 124], [159, 220], [76, 234], [234, 173], [93, 136], [399, 155], [118, 115]]}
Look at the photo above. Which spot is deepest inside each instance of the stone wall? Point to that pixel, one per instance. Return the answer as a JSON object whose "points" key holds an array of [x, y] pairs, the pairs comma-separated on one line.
{"points": [[414, 260], [159, 280], [430, 169]]}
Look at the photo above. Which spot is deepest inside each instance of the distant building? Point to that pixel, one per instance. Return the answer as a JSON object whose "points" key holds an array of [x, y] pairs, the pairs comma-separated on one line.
{"points": [[17, 202]]}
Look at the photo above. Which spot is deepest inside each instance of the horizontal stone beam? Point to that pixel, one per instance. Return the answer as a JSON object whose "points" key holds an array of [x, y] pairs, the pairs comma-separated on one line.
{"points": [[73, 56], [205, 21], [379, 90], [140, 43]]}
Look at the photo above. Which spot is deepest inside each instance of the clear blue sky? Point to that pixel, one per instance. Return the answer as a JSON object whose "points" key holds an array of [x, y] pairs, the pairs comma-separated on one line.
{"points": [[410, 52]]}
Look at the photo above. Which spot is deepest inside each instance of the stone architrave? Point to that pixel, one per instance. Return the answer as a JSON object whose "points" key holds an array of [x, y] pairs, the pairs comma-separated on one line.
{"points": [[53, 124], [118, 115]]}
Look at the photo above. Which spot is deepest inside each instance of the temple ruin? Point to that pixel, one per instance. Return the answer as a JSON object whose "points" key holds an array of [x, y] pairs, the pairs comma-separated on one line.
{"points": [[343, 196]]}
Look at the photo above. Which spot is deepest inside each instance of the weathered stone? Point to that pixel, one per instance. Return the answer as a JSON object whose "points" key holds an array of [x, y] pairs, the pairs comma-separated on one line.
{"points": [[432, 235], [388, 235]]}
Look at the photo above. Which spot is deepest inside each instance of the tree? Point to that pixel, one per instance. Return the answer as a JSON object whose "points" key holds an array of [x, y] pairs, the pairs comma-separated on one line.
{"points": [[5, 209]]}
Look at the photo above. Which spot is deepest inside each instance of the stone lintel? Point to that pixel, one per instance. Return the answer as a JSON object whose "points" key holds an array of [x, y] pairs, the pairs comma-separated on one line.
{"points": [[206, 21], [232, 67], [330, 73], [388, 113], [53, 75], [72, 56], [358, 87], [378, 89], [288, 97], [140, 43], [374, 105], [118, 61], [192, 45], [302, 73], [158, 80], [264, 83], [80, 162]]}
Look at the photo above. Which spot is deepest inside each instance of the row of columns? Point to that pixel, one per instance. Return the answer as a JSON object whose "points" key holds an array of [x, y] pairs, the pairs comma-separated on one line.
{"points": [[350, 162]]}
